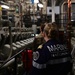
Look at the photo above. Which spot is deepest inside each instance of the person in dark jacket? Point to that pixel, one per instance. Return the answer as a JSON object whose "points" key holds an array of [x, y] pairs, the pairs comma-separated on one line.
{"points": [[39, 39], [52, 57]]}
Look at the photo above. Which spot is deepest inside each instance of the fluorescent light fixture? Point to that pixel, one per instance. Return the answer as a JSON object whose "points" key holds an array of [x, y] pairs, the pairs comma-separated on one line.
{"points": [[40, 5], [5, 6], [36, 1]]}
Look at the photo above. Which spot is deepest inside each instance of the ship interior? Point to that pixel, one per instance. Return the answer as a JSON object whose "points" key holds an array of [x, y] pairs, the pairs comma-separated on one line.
{"points": [[19, 25]]}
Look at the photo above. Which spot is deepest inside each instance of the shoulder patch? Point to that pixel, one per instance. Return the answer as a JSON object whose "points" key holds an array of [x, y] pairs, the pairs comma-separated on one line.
{"points": [[35, 55], [39, 47]]}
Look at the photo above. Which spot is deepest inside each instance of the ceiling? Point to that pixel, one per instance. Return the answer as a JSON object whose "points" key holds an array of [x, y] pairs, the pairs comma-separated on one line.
{"points": [[49, 1]]}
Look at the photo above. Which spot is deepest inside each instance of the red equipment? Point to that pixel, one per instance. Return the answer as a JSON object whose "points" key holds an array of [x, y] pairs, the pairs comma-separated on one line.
{"points": [[27, 59]]}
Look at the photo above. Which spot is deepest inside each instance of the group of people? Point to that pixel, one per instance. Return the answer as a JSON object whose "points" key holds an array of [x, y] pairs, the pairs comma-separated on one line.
{"points": [[52, 57]]}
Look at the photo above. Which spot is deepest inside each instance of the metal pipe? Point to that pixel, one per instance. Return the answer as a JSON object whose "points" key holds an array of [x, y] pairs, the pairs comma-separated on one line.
{"points": [[53, 12], [10, 34], [69, 10]]}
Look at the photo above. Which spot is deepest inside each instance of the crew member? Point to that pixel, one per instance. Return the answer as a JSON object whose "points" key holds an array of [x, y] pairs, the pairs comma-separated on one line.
{"points": [[53, 57], [39, 39]]}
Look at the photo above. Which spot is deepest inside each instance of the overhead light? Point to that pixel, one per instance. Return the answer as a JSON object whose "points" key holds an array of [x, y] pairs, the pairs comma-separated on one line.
{"points": [[36, 1], [5, 6], [40, 5]]}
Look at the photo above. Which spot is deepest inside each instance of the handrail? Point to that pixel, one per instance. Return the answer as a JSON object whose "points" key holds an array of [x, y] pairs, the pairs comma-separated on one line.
{"points": [[14, 56], [11, 58]]}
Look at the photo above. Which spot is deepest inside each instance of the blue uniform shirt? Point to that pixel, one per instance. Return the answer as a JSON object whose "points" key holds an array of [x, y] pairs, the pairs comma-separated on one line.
{"points": [[51, 58]]}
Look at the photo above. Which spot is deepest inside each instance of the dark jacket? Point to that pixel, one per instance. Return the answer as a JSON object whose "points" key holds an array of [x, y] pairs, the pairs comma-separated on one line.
{"points": [[51, 58]]}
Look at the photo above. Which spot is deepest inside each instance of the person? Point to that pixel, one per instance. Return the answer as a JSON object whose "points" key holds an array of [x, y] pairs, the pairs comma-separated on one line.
{"points": [[52, 57], [39, 39]]}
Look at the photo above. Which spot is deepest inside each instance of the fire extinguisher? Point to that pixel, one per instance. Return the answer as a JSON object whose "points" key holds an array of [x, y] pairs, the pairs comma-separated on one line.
{"points": [[27, 59]]}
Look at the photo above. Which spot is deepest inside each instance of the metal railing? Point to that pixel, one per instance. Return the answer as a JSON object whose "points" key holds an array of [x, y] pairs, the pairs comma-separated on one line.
{"points": [[14, 58]]}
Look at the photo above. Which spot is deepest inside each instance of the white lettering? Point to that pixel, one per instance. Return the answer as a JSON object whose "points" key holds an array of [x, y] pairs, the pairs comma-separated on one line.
{"points": [[50, 49], [57, 47]]}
